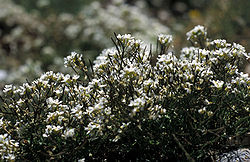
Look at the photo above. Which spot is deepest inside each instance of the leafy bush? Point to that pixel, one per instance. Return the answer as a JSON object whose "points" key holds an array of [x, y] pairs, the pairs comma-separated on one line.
{"points": [[132, 104]]}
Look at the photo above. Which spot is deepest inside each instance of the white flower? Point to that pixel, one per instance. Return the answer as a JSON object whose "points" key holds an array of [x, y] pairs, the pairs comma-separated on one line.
{"points": [[148, 82], [1, 122], [59, 91], [220, 43], [75, 77], [10, 157], [51, 101], [69, 133], [165, 39], [107, 111], [188, 90], [8, 88], [167, 58], [81, 160], [92, 126], [72, 59], [208, 102], [210, 113], [116, 138], [197, 31], [218, 83], [130, 70], [66, 78], [137, 102], [202, 111], [124, 37], [3, 137]]}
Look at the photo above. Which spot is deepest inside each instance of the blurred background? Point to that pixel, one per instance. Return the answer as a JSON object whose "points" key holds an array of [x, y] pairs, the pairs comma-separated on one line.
{"points": [[36, 35]]}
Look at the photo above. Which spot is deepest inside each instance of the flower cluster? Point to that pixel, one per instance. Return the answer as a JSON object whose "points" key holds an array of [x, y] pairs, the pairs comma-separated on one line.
{"points": [[197, 35], [165, 42], [45, 110], [7, 144], [165, 39], [126, 107], [74, 60]]}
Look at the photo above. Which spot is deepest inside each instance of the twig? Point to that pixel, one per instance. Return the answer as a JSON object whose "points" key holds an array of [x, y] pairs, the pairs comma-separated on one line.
{"points": [[183, 149]]}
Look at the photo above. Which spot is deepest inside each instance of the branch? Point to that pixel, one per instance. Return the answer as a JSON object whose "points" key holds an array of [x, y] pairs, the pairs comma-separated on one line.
{"points": [[183, 149]]}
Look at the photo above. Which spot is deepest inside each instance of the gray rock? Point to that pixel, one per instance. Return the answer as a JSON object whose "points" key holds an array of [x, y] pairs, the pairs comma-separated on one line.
{"points": [[240, 155]]}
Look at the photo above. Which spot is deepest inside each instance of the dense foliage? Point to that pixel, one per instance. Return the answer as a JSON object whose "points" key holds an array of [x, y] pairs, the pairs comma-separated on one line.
{"points": [[132, 103]]}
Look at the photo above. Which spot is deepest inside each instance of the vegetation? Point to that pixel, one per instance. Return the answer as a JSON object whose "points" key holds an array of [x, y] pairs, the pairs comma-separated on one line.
{"points": [[135, 102]]}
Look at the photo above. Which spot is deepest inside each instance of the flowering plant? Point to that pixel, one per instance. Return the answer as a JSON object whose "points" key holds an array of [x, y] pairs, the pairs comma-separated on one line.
{"points": [[128, 106]]}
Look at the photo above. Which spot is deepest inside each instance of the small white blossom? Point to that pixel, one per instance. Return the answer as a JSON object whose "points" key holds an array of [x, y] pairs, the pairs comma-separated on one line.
{"points": [[218, 83], [69, 133], [137, 102], [51, 101], [8, 88], [66, 78], [81, 160], [165, 39], [197, 31], [202, 111], [72, 60]]}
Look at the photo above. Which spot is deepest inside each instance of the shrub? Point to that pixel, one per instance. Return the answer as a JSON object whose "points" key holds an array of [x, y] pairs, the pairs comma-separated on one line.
{"points": [[131, 106]]}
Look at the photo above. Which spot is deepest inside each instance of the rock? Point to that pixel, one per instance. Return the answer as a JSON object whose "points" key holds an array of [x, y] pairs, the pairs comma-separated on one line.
{"points": [[235, 156]]}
